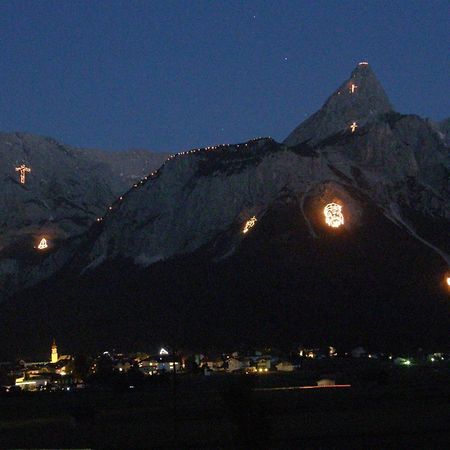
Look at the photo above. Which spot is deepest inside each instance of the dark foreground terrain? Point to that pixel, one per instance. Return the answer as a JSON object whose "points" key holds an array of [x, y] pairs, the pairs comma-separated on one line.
{"points": [[406, 408]]}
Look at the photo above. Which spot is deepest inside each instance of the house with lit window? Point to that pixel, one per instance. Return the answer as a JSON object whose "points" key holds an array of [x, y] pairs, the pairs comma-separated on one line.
{"points": [[233, 364], [159, 364]]}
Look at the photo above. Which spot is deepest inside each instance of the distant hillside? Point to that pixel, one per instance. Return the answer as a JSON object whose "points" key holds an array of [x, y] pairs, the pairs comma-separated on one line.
{"points": [[65, 190], [128, 166]]}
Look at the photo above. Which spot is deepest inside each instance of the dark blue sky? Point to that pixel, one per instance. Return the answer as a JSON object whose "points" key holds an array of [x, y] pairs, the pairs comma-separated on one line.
{"points": [[172, 75]]}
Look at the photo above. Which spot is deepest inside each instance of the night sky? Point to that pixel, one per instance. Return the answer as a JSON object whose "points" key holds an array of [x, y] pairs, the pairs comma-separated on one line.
{"points": [[172, 75]]}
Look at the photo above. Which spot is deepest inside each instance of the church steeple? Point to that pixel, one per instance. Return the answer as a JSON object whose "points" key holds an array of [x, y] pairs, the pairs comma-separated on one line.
{"points": [[54, 355]]}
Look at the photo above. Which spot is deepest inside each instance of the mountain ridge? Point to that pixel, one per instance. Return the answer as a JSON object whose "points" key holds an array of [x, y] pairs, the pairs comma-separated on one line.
{"points": [[389, 176], [64, 192], [358, 99]]}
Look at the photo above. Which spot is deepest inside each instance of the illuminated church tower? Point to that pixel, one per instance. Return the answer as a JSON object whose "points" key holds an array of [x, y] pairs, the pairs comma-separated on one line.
{"points": [[54, 356]]}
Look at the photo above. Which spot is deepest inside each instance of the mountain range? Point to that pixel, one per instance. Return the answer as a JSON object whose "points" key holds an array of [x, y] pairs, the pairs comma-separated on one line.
{"points": [[229, 245], [65, 190]]}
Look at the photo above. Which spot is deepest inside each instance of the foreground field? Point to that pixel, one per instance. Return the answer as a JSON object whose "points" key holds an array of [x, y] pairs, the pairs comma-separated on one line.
{"points": [[231, 412]]}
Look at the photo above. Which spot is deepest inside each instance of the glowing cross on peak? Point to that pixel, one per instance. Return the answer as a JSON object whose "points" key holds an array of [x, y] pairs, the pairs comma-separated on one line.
{"points": [[353, 88], [23, 169], [353, 126]]}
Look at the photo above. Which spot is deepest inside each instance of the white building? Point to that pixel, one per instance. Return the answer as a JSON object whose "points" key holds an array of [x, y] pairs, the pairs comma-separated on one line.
{"points": [[234, 364], [285, 366]]}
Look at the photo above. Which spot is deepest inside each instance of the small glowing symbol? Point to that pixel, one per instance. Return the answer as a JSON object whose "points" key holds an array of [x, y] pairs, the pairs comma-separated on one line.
{"points": [[23, 169], [363, 63], [163, 351], [333, 215], [43, 244], [353, 127], [249, 224], [353, 88]]}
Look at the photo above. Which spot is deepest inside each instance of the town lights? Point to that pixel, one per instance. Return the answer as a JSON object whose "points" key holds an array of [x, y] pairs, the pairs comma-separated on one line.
{"points": [[249, 224], [333, 215], [23, 170]]}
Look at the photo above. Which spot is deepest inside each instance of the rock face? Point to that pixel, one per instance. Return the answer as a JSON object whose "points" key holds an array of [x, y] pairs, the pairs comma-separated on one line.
{"points": [[443, 128], [129, 166], [66, 190], [359, 99], [173, 246], [400, 161]]}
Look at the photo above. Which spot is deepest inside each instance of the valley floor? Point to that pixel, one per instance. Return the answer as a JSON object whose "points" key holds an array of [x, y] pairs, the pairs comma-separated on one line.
{"points": [[230, 411]]}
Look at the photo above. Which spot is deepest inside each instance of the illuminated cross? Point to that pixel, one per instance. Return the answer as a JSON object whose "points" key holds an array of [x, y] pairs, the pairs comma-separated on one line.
{"points": [[353, 88], [43, 244], [353, 126], [249, 224], [23, 169]]}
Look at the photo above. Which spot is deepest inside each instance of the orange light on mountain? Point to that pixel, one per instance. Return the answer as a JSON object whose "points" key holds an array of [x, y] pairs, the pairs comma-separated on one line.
{"points": [[43, 244], [23, 170], [249, 224], [333, 215]]}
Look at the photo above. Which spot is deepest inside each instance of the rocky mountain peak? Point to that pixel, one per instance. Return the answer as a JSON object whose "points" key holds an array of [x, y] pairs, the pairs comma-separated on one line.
{"points": [[357, 100]]}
